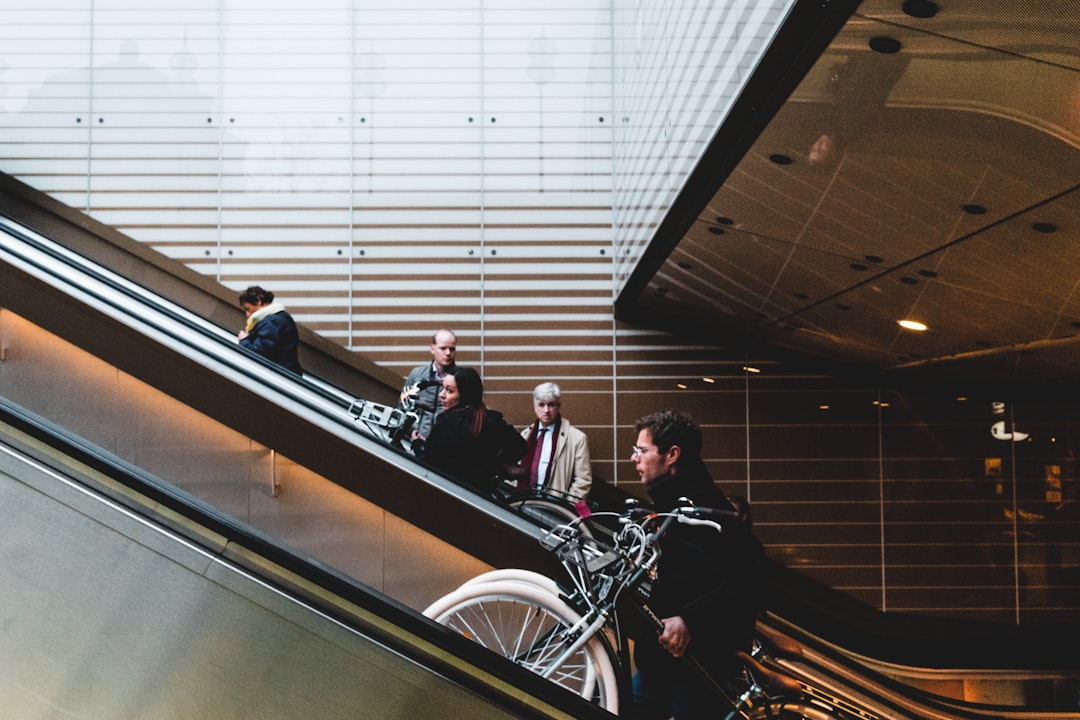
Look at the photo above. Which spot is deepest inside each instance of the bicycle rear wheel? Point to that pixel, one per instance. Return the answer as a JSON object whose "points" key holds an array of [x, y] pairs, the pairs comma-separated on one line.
{"points": [[546, 512], [527, 624]]}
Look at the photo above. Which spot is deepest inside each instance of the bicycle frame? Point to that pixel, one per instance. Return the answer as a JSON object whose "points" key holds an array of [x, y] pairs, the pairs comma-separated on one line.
{"points": [[587, 650], [603, 574]]}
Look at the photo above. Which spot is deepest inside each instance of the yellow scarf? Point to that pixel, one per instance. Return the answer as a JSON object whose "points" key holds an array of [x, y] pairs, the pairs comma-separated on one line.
{"points": [[262, 312]]}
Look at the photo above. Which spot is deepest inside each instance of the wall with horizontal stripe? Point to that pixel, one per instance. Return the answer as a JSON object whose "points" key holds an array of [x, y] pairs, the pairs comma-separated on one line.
{"points": [[497, 168]]}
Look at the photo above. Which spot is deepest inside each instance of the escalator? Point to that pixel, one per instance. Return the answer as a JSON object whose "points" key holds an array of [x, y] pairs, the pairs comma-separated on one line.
{"points": [[197, 362], [180, 346], [126, 598]]}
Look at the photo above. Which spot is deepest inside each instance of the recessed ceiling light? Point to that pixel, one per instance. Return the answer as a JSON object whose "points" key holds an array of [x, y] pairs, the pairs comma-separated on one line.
{"points": [[681, 386], [751, 369], [885, 45], [708, 380], [920, 8], [911, 325]]}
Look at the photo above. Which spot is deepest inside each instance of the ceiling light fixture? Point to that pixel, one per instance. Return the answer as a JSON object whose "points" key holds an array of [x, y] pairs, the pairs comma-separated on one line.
{"points": [[920, 8], [708, 380], [885, 45], [912, 325], [751, 369]]}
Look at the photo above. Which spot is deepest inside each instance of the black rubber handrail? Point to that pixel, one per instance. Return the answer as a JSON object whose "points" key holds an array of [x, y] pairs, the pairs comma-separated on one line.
{"points": [[207, 331]]}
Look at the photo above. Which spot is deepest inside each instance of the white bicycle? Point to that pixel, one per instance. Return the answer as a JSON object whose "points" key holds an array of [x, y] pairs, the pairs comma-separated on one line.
{"points": [[571, 635]]}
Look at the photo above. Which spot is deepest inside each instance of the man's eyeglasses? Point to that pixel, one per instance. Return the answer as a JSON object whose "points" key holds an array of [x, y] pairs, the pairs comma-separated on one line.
{"points": [[639, 451]]}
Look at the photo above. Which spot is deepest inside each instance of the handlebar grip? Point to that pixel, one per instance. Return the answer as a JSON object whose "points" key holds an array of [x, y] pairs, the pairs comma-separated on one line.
{"points": [[706, 513]]}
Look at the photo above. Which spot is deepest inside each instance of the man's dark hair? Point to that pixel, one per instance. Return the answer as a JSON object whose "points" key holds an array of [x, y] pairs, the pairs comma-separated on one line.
{"points": [[671, 427]]}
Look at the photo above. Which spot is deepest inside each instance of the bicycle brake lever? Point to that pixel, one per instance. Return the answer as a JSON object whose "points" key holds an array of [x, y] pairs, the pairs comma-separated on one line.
{"points": [[685, 520]]}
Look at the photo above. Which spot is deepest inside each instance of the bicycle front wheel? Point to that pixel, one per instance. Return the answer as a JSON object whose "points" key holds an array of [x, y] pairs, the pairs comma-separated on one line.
{"points": [[528, 624], [527, 577]]}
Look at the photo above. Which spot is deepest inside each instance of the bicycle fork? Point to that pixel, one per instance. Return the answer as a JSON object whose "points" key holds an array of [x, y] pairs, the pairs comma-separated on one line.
{"points": [[582, 631]]}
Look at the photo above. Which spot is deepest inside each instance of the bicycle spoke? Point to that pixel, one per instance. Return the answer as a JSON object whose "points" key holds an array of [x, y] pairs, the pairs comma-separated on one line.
{"points": [[524, 633]]}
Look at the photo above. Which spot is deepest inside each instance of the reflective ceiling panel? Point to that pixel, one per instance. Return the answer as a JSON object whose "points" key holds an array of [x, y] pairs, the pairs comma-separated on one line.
{"points": [[926, 167]]}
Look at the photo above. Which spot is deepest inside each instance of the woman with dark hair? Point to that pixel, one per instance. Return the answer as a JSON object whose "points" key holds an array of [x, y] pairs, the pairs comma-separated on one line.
{"points": [[270, 331], [469, 440]]}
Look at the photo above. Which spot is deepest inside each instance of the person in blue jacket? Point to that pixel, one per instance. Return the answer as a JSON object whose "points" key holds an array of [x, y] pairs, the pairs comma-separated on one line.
{"points": [[270, 331]]}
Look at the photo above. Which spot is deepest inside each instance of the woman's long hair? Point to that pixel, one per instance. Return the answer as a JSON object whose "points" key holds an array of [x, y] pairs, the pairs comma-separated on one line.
{"points": [[471, 397]]}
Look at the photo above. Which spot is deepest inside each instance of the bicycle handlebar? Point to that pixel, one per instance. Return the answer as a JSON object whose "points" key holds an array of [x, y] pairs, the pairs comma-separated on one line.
{"points": [[708, 517], [707, 513]]}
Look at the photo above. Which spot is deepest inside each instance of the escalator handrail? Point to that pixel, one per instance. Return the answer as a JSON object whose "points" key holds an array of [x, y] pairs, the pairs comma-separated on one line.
{"points": [[208, 344], [411, 631]]}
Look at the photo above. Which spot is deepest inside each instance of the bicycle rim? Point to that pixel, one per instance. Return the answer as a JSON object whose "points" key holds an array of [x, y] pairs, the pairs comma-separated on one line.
{"points": [[525, 623]]}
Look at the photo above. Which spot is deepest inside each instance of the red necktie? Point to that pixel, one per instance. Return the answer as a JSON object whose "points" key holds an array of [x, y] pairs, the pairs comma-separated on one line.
{"points": [[533, 479]]}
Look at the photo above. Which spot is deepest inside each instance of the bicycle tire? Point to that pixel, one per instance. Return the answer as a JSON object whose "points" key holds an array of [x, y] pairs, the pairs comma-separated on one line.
{"points": [[527, 577], [545, 583], [523, 622]]}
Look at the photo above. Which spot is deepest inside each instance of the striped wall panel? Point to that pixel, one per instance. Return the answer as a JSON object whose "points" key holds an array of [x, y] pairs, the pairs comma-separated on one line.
{"points": [[497, 167]]}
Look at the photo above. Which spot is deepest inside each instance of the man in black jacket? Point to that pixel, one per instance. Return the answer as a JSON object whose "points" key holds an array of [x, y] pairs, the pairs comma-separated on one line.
{"points": [[423, 383], [707, 590]]}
